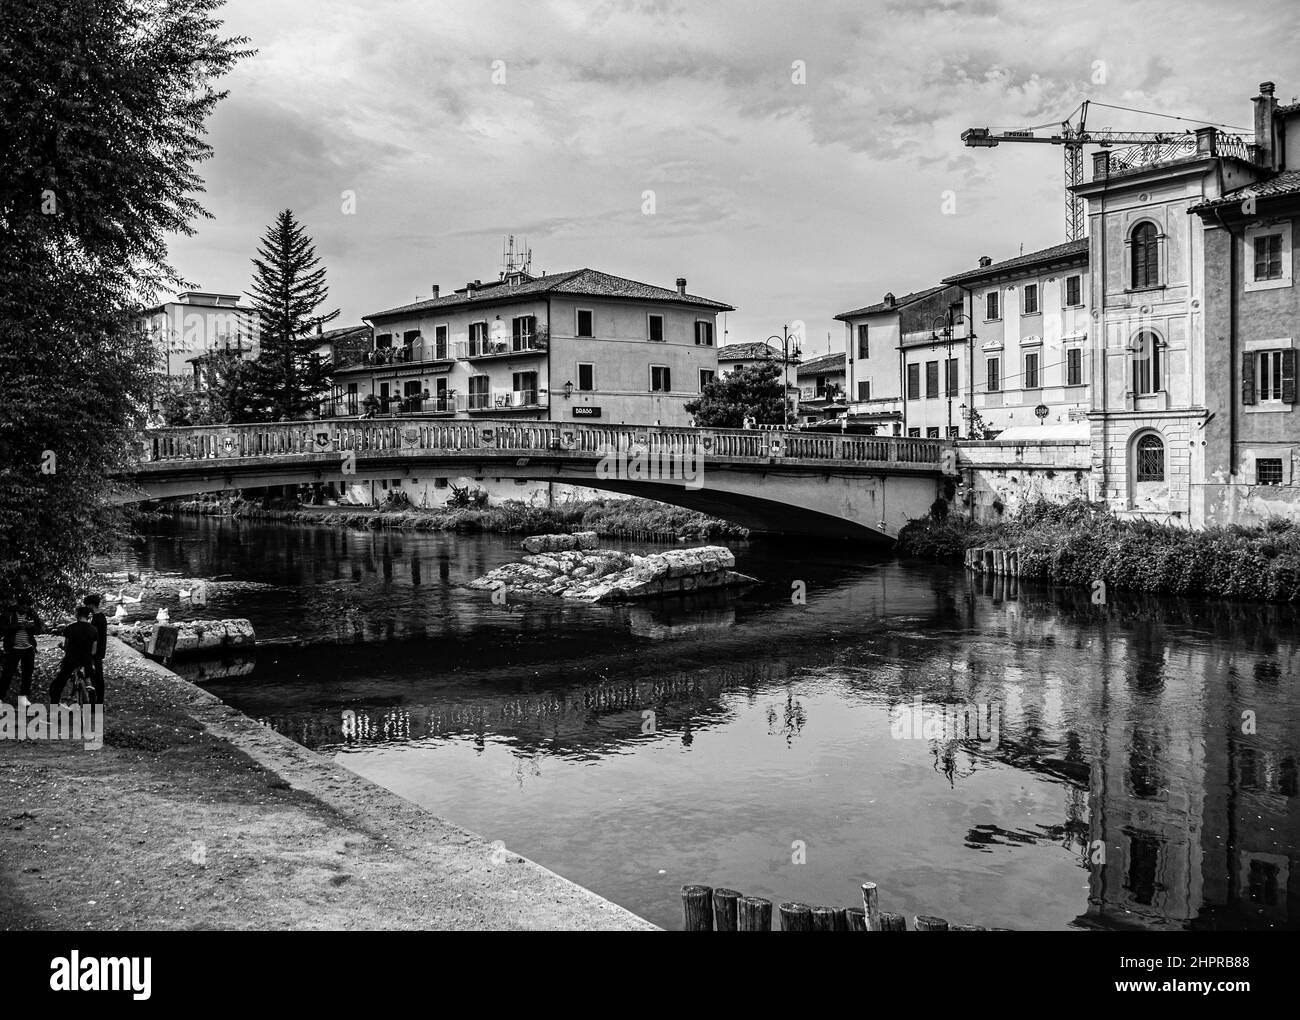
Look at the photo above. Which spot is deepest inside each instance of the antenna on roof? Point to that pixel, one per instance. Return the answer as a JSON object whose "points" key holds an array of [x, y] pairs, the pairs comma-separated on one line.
{"points": [[514, 262]]}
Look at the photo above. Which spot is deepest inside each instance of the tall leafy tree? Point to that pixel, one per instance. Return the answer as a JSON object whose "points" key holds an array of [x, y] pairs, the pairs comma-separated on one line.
{"points": [[288, 286], [752, 390], [103, 106]]}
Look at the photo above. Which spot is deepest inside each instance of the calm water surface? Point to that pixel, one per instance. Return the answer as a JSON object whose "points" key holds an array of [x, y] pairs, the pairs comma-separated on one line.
{"points": [[1006, 756]]}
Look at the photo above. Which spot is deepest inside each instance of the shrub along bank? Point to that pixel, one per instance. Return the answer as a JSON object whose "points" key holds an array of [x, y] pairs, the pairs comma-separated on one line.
{"points": [[1077, 543]]}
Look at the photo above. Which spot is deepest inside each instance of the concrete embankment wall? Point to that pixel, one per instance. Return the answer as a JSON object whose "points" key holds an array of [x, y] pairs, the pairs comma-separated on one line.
{"points": [[1001, 476]]}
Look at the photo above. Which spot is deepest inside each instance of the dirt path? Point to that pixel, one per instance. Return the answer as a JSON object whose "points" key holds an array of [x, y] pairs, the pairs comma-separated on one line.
{"points": [[194, 816]]}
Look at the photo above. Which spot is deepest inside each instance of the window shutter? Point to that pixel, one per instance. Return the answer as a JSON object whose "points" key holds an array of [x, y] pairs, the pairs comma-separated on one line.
{"points": [[1248, 377], [1288, 377]]}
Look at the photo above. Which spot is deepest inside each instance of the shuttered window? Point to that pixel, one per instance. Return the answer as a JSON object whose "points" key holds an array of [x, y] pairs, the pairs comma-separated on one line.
{"points": [[993, 380], [1074, 367], [1268, 257], [1146, 363], [1268, 377], [1146, 256], [864, 347]]}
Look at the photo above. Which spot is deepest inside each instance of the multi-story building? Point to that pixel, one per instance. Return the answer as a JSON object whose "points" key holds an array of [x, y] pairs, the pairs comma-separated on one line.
{"points": [[574, 346], [822, 393], [1251, 445], [198, 324], [905, 364], [1152, 371], [1029, 317], [746, 355]]}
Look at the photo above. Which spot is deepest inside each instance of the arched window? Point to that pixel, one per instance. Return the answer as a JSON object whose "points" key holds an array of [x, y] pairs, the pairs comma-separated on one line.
{"points": [[1150, 452], [1146, 363], [1146, 256]]}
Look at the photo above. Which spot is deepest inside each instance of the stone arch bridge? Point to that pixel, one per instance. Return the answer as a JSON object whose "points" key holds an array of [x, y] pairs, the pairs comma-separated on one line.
{"points": [[772, 481]]}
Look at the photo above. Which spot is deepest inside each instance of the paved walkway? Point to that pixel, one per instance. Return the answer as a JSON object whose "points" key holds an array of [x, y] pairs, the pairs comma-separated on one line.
{"points": [[194, 816]]}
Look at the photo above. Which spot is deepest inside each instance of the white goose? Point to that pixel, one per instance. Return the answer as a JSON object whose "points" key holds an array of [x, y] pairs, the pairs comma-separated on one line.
{"points": [[130, 600], [121, 613]]}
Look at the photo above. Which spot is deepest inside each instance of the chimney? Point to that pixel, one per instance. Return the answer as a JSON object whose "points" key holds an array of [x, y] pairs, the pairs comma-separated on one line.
{"points": [[889, 300], [435, 291], [1101, 164], [681, 285], [1265, 107], [985, 262]]}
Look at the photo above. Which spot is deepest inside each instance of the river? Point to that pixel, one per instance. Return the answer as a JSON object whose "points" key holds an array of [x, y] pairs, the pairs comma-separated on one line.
{"points": [[985, 751]]}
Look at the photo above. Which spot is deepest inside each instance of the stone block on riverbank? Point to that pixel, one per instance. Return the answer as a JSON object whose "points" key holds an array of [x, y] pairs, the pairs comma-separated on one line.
{"points": [[559, 543], [605, 575], [193, 637]]}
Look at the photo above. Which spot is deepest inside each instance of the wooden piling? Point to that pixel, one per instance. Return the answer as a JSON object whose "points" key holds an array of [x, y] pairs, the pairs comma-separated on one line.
{"points": [[966, 927], [795, 916], [697, 906], [856, 918], [725, 909], [926, 922], [890, 921], [871, 905], [753, 913], [823, 918]]}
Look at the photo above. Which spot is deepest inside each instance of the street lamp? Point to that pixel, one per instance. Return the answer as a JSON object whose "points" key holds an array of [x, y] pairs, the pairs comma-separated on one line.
{"points": [[784, 340], [942, 330]]}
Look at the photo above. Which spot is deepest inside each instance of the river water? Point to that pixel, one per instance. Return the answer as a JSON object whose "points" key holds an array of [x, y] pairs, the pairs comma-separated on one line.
{"points": [[991, 753]]}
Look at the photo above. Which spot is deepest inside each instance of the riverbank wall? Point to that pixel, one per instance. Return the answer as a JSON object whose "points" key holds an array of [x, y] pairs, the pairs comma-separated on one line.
{"points": [[192, 815]]}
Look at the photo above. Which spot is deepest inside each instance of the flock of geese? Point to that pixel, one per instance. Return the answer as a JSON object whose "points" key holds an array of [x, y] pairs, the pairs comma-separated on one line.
{"points": [[123, 599]]}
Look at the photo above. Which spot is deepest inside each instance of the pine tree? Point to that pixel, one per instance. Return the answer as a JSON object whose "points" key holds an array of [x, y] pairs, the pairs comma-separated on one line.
{"points": [[288, 286]]}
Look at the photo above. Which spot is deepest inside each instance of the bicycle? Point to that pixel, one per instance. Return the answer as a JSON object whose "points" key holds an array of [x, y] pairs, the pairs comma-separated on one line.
{"points": [[83, 687]]}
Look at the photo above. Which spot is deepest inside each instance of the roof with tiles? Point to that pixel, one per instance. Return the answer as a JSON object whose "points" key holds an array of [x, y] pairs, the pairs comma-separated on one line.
{"points": [[748, 351], [881, 306], [1056, 253], [1283, 184], [578, 282], [833, 362]]}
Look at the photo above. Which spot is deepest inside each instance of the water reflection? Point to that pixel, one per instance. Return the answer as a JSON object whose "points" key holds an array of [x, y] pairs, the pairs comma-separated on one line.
{"points": [[1142, 773]]}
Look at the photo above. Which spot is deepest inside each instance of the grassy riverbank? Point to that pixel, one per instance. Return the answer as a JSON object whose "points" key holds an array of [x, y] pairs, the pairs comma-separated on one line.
{"points": [[1077, 543], [640, 518]]}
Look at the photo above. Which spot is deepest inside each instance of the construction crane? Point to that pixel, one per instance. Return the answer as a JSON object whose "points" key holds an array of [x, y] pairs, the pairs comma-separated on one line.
{"points": [[1073, 136]]}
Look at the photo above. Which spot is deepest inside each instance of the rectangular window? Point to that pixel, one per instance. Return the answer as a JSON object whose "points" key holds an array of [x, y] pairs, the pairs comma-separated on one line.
{"points": [[1268, 257], [950, 378], [586, 326], [1031, 372], [914, 433], [660, 379], [864, 348], [1270, 375], [352, 398], [383, 340], [1073, 291], [953, 432], [440, 401], [931, 378], [440, 343], [704, 334], [479, 393], [1268, 470], [932, 433], [586, 376], [521, 332], [913, 382], [1074, 366], [478, 335], [864, 391], [1031, 299], [525, 388], [655, 328], [706, 377], [993, 381], [991, 305]]}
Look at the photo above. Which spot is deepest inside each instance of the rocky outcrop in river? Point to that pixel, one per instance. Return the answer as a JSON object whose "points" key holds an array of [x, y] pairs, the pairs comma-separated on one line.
{"points": [[569, 566]]}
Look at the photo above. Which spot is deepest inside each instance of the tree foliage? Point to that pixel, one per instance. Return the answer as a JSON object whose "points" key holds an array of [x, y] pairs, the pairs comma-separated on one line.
{"points": [[752, 390], [288, 286], [103, 105]]}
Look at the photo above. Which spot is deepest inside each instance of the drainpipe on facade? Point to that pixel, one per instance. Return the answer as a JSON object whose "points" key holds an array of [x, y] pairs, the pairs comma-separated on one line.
{"points": [[1232, 344], [1104, 340], [970, 388]]}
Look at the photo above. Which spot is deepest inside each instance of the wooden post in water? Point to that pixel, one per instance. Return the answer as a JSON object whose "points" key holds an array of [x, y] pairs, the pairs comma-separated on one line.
{"points": [[890, 921], [927, 922], [753, 913], [697, 905], [795, 916], [871, 905], [823, 918], [724, 909], [857, 919]]}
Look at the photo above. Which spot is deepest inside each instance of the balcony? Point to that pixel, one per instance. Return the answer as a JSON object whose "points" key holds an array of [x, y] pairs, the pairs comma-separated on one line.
{"points": [[395, 357], [506, 400], [520, 345]]}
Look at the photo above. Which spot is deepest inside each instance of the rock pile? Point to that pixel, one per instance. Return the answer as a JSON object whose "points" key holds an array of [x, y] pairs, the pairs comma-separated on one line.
{"points": [[194, 637], [569, 566]]}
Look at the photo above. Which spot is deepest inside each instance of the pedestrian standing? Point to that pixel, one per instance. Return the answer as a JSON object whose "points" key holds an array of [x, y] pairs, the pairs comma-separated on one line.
{"points": [[79, 640], [100, 622], [21, 625]]}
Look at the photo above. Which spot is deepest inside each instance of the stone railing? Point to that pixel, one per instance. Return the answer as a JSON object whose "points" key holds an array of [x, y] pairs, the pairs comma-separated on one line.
{"points": [[568, 440]]}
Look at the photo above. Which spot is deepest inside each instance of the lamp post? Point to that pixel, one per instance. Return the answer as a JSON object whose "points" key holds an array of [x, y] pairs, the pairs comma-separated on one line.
{"points": [[942, 330], [784, 340]]}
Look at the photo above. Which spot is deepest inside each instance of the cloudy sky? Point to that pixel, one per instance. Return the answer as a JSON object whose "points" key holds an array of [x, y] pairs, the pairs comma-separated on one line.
{"points": [[800, 155]]}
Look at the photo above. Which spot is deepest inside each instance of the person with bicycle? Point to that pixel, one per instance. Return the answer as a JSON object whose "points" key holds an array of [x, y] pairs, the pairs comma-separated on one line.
{"points": [[80, 642], [100, 622]]}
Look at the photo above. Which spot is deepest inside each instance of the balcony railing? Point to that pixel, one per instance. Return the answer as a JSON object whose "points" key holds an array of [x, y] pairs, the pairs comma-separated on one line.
{"points": [[394, 356], [505, 400], [502, 347]]}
